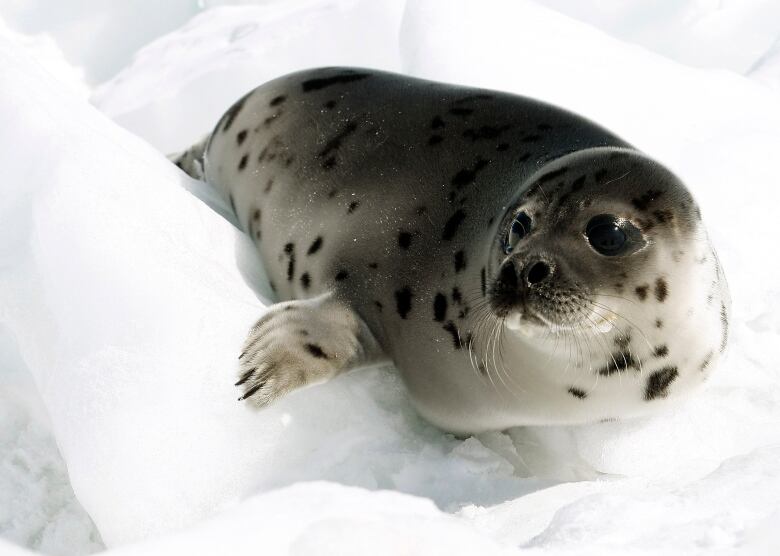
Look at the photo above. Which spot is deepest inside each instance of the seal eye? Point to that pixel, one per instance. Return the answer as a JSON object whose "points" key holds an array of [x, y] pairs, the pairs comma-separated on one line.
{"points": [[521, 227], [606, 235]]}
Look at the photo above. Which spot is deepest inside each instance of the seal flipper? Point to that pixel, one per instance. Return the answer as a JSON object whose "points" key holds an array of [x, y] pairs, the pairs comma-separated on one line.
{"points": [[303, 342], [191, 161]]}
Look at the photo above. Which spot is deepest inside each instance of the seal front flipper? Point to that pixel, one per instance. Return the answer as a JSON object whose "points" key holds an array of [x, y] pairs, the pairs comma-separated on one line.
{"points": [[302, 342]]}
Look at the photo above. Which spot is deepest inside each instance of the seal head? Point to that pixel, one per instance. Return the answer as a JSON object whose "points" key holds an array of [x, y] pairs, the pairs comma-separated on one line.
{"points": [[602, 263]]}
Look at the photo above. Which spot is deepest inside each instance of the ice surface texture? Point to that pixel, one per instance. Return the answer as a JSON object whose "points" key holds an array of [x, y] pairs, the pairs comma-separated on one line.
{"points": [[127, 299]]}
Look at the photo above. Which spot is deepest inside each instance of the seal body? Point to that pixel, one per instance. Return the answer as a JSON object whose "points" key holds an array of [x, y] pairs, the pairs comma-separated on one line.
{"points": [[451, 230]]}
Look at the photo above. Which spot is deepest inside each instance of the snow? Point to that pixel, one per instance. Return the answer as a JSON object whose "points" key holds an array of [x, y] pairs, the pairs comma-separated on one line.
{"points": [[124, 298], [729, 34]]}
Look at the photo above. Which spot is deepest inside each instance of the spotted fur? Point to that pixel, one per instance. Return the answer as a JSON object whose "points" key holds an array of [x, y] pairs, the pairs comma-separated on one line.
{"points": [[384, 205]]}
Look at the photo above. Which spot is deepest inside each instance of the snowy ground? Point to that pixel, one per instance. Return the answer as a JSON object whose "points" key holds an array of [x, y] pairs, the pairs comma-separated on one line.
{"points": [[124, 297]]}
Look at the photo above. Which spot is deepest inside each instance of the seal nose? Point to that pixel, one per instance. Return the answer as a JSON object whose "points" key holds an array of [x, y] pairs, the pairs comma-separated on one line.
{"points": [[537, 272]]}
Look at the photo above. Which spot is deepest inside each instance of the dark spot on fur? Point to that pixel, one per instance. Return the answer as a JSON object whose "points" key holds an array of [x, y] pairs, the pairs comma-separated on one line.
{"points": [[268, 185], [468, 175], [330, 105], [623, 340], [641, 203], [233, 111], [339, 79], [659, 323], [421, 210], [641, 292], [315, 246], [483, 281], [663, 216], [439, 307], [270, 119], [453, 330], [435, 139], [241, 137], [549, 176], [706, 362], [451, 227], [316, 351], [661, 289], [577, 184], [524, 157], [305, 280], [437, 122], [373, 265], [403, 301], [658, 383], [618, 362], [289, 250], [333, 145], [460, 260], [332, 193], [661, 351], [457, 297], [276, 101], [256, 215], [243, 161], [577, 393], [341, 275], [378, 305], [404, 240], [352, 206]]}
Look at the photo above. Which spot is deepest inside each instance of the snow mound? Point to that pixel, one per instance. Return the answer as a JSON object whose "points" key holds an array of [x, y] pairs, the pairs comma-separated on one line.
{"points": [[313, 519], [178, 86], [728, 34], [129, 299]]}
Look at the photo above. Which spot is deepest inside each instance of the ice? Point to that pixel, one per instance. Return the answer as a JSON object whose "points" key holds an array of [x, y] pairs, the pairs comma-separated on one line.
{"points": [[37, 505], [127, 299]]}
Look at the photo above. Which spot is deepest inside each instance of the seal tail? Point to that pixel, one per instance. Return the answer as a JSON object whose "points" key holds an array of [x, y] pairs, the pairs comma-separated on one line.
{"points": [[192, 160]]}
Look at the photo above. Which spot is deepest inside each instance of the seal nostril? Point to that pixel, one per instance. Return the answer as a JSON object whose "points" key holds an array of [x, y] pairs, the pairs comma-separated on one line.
{"points": [[508, 276], [538, 272]]}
